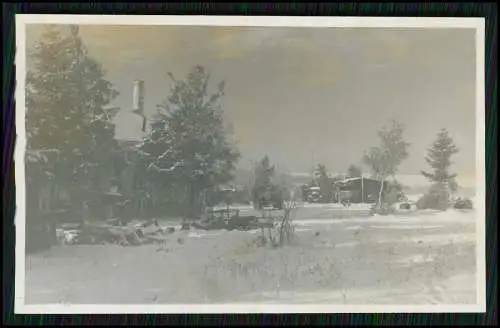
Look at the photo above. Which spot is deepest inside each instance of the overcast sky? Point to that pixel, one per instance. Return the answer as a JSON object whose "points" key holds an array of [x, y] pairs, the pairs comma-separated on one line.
{"points": [[305, 95]]}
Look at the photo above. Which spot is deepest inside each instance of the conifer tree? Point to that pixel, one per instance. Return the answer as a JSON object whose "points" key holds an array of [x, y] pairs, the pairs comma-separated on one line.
{"points": [[439, 159], [325, 184], [189, 145], [66, 95], [263, 187]]}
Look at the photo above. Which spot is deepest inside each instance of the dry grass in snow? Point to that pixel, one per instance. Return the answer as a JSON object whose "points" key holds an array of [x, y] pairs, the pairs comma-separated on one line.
{"points": [[386, 260]]}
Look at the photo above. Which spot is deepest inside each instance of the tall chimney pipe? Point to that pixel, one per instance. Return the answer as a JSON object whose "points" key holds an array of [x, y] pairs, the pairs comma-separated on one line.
{"points": [[138, 97]]}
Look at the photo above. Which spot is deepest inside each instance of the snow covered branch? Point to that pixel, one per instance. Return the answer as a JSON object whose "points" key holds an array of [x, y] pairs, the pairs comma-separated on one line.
{"points": [[155, 167]]}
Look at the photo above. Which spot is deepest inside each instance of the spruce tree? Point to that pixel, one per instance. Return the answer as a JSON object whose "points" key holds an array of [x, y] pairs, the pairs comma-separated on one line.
{"points": [[263, 187], [189, 146], [439, 159], [66, 95], [325, 184]]}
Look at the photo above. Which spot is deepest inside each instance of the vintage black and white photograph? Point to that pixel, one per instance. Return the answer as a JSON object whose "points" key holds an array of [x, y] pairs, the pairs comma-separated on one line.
{"points": [[228, 163]]}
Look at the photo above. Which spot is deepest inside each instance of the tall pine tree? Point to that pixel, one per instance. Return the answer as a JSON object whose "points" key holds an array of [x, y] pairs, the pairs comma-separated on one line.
{"points": [[325, 184], [439, 159], [263, 188], [66, 93], [189, 145]]}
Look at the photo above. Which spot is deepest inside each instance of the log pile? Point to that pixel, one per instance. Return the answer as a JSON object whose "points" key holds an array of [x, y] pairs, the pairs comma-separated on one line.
{"points": [[116, 232]]}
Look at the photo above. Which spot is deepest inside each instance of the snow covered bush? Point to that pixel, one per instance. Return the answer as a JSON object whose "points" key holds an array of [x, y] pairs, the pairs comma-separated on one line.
{"points": [[436, 199]]}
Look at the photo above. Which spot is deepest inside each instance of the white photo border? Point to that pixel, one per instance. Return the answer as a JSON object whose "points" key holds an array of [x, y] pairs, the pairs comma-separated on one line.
{"points": [[21, 20]]}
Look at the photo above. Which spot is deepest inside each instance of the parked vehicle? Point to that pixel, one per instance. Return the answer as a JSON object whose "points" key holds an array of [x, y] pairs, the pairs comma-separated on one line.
{"points": [[463, 204], [314, 195]]}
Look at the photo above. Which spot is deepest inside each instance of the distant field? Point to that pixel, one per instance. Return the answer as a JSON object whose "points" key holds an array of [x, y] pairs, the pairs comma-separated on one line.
{"points": [[425, 259]]}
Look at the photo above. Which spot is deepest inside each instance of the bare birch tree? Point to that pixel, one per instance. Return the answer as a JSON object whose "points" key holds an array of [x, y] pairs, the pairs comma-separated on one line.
{"points": [[385, 158]]}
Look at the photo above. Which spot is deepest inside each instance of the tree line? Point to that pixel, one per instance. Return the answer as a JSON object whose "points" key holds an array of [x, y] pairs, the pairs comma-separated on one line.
{"points": [[384, 160], [187, 154]]}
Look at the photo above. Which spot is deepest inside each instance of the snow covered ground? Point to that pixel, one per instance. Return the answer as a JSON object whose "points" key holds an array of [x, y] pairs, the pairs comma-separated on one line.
{"points": [[427, 258]]}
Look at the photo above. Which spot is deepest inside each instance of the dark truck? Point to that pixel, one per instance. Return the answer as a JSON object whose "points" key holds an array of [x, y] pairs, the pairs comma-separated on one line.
{"points": [[314, 195]]}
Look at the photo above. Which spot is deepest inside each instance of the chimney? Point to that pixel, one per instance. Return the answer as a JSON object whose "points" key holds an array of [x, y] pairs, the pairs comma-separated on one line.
{"points": [[138, 97]]}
